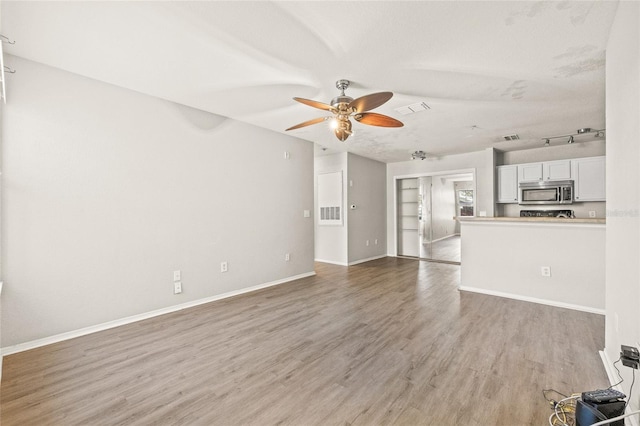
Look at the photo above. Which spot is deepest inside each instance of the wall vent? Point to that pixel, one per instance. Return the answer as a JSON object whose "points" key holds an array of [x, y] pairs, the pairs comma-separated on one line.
{"points": [[413, 108], [513, 137], [329, 213]]}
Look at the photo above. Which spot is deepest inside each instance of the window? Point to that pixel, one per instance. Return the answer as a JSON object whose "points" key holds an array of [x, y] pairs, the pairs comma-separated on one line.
{"points": [[464, 202]]}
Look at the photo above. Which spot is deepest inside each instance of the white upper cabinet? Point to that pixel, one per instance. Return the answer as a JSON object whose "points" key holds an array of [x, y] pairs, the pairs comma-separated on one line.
{"points": [[587, 173], [589, 179], [548, 170], [529, 172], [556, 170], [507, 184]]}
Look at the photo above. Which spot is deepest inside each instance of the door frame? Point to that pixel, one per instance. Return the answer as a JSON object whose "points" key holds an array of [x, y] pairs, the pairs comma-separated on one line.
{"points": [[419, 175]]}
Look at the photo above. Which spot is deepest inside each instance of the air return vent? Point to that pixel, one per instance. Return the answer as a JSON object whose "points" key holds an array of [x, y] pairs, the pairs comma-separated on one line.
{"points": [[413, 108], [513, 137]]}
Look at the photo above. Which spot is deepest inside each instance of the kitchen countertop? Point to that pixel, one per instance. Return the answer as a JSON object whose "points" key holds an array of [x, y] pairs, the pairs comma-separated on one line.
{"points": [[568, 221]]}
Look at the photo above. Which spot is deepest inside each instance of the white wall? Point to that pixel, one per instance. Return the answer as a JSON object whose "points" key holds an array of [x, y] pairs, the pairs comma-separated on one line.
{"points": [[482, 161], [107, 191], [331, 241], [363, 185], [623, 187], [366, 189], [505, 258]]}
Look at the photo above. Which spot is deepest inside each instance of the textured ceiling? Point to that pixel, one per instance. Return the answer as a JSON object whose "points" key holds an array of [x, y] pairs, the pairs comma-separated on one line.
{"points": [[486, 69]]}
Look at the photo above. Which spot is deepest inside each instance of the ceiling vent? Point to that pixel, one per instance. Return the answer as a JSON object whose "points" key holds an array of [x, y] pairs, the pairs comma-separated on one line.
{"points": [[513, 137], [413, 108]]}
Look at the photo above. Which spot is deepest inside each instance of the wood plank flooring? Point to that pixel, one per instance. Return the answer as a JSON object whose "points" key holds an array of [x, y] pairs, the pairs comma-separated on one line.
{"points": [[448, 249], [386, 342]]}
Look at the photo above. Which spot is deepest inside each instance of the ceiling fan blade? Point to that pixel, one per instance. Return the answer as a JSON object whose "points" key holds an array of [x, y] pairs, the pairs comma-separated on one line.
{"points": [[314, 104], [368, 102], [309, 123], [373, 119]]}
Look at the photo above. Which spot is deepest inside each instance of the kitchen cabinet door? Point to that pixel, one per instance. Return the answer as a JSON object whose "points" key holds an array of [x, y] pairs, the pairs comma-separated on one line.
{"points": [[530, 172], [507, 184], [557, 170], [589, 179]]}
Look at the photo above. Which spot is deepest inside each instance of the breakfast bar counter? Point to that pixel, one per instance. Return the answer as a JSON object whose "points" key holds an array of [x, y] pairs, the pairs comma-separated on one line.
{"points": [[563, 220], [555, 261]]}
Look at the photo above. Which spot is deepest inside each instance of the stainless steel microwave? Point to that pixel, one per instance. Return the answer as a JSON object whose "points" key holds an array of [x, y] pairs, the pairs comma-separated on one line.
{"points": [[546, 192]]}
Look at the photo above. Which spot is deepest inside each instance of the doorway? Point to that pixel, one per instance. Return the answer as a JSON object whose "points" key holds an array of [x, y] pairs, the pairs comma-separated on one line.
{"points": [[428, 212]]}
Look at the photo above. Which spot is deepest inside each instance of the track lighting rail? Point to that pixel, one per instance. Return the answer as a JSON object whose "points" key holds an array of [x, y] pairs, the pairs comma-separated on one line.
{"points": [[570, 137]]}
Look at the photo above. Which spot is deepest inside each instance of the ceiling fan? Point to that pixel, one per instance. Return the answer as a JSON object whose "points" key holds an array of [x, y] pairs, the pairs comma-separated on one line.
{"points": [[345, 107]]}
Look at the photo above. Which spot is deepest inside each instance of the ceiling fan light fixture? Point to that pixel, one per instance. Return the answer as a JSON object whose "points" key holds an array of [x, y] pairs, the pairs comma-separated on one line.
{"points": [[344, 107]]}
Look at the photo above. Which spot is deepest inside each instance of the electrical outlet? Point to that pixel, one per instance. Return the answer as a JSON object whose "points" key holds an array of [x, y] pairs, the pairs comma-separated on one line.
{"points": [[630, 356], [224, 267], [287, 257], [592, 213], [287, 155], [306, 213], [545, 271], [176, 275], [177, 287], [375, 241], [367, 242]]}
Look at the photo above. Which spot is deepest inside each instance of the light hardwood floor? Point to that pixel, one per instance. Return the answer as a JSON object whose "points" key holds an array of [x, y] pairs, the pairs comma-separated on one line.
{"points": [[386, 342], [448, 249]]}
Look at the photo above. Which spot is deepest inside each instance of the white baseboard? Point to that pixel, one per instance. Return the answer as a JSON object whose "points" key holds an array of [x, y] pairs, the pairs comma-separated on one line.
{"points": [[332, 262], [134, 318], [367, 260], [608, 367], [533, 300]]}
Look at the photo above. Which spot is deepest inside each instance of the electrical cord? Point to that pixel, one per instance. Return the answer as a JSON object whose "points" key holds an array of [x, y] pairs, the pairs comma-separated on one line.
{"points": [[567, 405], [619, 375], [562, 409], [544, 394]]}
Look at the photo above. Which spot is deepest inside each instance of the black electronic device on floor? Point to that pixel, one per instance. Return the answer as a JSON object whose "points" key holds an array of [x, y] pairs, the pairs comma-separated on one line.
{"points": [[599, 405], [602, 395]]}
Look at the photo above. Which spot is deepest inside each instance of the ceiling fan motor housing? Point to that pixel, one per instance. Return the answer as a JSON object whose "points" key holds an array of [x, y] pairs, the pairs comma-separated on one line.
{"points": [[342, 99]]}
